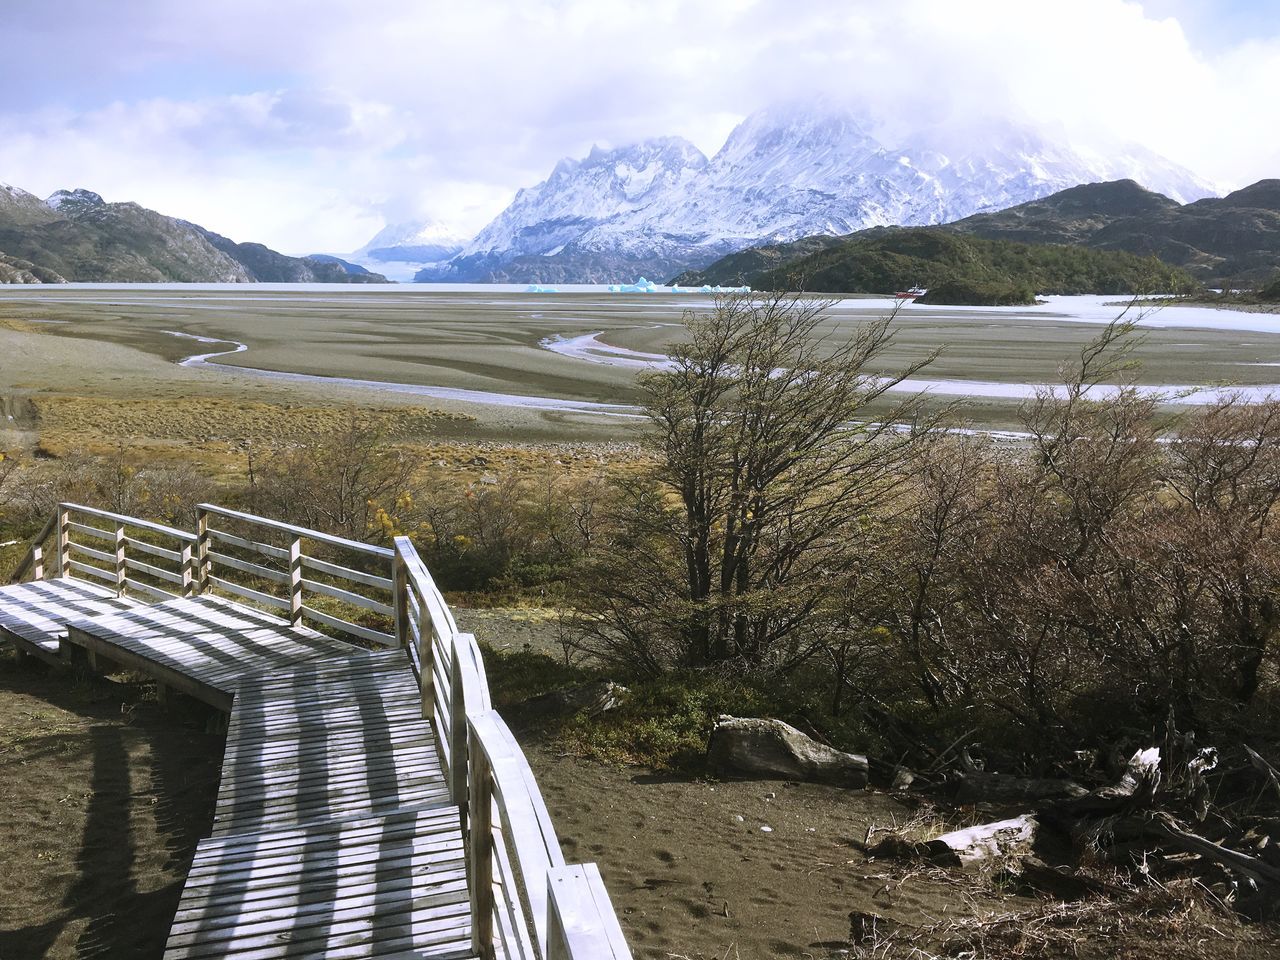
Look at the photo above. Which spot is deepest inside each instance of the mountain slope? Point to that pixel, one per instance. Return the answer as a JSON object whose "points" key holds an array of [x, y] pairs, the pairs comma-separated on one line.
{"points": [[1228, 241], [559, 219], [75, 235], [13, 270], [784, 173], [266, 266], [86, 239]]}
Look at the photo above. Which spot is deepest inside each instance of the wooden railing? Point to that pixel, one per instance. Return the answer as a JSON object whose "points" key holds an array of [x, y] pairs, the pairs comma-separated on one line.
{"points": [[134, 556], [32, 565], [527, 903], [275, 565]]}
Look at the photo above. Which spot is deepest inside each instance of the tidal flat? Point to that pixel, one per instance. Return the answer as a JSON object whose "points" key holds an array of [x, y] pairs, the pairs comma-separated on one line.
{"points": [[481, 356]]}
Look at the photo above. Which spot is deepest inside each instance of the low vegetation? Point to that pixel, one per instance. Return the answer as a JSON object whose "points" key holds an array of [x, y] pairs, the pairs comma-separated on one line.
{"points": [[993, 293]]}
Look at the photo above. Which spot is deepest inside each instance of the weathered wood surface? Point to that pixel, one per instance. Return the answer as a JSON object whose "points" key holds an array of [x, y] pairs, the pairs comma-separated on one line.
{"points": [[34, 616], [333, 832], [326, 740], [204, 646], [388, 886]]}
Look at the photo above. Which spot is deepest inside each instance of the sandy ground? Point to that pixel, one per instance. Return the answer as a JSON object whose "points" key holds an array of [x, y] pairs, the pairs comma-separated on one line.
{"points": [[694, 872], [104, 797]]}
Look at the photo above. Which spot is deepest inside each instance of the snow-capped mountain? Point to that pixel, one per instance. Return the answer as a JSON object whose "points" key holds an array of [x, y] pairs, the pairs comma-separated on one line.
{"points": [[569, 214], [416, 241], [661, 206]]}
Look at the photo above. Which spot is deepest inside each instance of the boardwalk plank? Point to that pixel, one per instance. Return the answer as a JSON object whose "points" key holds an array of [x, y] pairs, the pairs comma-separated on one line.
{"points": [[34, 616]]}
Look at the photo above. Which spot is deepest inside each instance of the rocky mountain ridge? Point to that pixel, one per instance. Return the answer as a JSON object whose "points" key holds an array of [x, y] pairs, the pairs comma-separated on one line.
{"points": [[661, 206], [77, 236]]}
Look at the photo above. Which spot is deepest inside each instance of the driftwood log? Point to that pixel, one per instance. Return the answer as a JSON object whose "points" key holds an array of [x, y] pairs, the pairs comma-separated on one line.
{"points": [[771, 748], [1257, 871], [1135, 791], [985, 841], [977, 786]]}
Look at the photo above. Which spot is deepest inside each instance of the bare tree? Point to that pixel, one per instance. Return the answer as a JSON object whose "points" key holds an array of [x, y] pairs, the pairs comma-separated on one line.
{"points": [[336, 482], [767, 473]]}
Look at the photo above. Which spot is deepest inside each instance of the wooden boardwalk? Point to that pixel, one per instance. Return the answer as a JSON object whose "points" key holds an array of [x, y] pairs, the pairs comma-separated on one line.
{"points": [[33, 616], [325, 741], [204, 646], [333, 833], [371, 803]]}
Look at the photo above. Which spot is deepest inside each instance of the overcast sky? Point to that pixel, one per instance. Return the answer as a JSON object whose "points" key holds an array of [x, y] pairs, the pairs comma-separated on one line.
{"points": [[307, 125]]}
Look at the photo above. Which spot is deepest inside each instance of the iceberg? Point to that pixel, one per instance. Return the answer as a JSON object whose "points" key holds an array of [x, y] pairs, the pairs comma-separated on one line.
{"points": [[642, 285], [538, 288]]}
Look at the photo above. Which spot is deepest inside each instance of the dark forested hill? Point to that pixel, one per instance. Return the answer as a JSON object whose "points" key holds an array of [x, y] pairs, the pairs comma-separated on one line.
{"points": [[957, 268], [1228, 241]]}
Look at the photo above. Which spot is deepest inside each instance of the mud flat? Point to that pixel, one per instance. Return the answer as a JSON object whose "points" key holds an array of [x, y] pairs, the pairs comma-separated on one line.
{"points": [[541, 365]]}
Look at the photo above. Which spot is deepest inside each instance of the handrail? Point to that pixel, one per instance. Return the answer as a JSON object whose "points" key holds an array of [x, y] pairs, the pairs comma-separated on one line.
{"points": [[385, 553], [33, 561], [184, 536], [117, 563], [547, 910], [290, 583], [582, 919], [503, 779]]}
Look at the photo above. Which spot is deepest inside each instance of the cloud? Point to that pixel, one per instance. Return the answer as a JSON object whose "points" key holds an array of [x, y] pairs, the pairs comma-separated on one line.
{"points": [[311, 123]]}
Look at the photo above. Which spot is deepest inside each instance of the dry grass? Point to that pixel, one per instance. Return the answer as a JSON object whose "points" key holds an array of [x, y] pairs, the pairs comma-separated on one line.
{"points": [[1183, 921], [69, 421]]}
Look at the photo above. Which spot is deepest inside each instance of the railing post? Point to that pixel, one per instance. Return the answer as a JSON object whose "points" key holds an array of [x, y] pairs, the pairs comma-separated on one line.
{"points": [[122, 571], [202, 550], [400, 595], [186, 562], [480, 854], [295, 582], [37, 563], [460, 756], [63, 541]]}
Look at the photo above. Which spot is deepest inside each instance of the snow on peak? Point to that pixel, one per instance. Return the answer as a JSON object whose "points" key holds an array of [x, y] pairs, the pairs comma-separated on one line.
{"points": [[15, 193], [786, 172], [416, 233], [74, 199], [608, 182]]}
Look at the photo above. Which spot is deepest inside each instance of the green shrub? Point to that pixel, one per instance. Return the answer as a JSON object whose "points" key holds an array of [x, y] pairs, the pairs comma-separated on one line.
{"points": [[977, 293]]}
